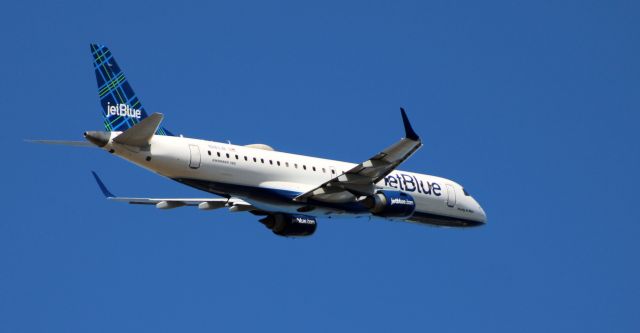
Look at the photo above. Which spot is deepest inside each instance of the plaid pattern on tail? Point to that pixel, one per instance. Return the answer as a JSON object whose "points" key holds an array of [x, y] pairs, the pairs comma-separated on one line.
{"points": [[121, 107]]}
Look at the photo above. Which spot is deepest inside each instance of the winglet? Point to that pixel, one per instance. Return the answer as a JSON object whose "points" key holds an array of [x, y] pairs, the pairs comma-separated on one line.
{"points": [[103, 188], [409, 133]]}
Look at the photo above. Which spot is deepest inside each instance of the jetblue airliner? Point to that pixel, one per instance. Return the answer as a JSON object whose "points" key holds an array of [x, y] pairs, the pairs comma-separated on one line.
{"points": [[288, 192]]}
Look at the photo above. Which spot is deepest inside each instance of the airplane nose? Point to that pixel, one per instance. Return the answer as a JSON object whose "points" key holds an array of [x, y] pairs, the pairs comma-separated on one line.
{"points": [[482, 215]]}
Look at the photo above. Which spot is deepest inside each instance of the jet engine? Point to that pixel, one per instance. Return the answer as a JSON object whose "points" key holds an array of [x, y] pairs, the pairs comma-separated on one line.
{"points": [[390, 204], [290, 225]]}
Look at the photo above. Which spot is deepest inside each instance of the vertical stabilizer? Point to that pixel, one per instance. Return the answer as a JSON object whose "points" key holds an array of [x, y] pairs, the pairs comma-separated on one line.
{"points": [[121, 107]]}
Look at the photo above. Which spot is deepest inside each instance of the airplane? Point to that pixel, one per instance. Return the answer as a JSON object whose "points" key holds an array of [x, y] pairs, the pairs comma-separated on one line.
{"points": [[288, 192]]}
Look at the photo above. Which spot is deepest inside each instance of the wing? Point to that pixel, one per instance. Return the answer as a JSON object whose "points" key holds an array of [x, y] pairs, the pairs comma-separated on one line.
{"points": [[234, 204], [361, 179]]}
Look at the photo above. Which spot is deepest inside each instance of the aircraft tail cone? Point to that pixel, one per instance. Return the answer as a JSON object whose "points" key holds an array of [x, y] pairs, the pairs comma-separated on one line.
{"points": [[98, 138]]}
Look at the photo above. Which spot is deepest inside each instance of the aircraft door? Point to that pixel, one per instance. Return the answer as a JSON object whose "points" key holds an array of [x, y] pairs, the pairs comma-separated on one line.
{"points": [[451, 195], [194, 156]]}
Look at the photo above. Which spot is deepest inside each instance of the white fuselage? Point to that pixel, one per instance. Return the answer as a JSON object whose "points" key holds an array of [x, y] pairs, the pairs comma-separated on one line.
{"points": [[269, 179]]}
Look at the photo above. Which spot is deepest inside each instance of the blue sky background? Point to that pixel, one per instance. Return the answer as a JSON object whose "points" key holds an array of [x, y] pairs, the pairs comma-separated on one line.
{"points": [[533, 106]]}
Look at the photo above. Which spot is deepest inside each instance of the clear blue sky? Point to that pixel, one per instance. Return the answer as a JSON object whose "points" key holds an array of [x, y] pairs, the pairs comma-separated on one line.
{"points": [[533, 106]]}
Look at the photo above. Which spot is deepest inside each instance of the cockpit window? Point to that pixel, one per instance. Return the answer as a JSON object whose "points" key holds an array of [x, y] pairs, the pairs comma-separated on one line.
{"points": [[465, 192]]}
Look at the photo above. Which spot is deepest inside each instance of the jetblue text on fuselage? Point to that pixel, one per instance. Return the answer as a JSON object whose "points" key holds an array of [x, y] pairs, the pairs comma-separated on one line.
{"points": [[123, 110], [409, 183]]}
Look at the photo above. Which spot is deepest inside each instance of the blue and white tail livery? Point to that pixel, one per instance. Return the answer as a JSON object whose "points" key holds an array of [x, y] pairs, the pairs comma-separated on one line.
{"points": [[288, 192], [121, 107]]}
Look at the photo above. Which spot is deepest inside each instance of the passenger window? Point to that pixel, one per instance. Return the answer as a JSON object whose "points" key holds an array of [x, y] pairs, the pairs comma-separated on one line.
{"points": [[278, 163], [286, 164], [296, 165], [227, 155], [209, 151], [245, 158], [333, 171], [304, 167], [324, 171], [262, 160], [314, 168], [218, 154], [254, 159], [271, 162]]}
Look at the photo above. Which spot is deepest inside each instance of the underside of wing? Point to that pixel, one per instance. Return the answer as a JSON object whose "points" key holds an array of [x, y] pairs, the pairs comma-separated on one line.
{"points": [[361, 179], [234, 204]]}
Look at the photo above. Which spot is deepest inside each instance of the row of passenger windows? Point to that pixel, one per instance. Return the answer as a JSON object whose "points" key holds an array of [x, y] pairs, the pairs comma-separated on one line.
{"points": [[271, 162]]}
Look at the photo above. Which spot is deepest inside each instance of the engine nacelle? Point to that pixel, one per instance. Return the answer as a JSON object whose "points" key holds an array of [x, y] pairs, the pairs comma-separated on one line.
{"points": [[390, 204], [290, 225]]}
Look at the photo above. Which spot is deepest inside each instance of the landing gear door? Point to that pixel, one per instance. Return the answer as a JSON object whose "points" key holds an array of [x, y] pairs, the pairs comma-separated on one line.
{"points": [[194, 158], [451, 196]]}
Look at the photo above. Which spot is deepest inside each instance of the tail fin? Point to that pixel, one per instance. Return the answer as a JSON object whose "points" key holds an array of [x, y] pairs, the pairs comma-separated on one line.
{"points": [[121, 107]]}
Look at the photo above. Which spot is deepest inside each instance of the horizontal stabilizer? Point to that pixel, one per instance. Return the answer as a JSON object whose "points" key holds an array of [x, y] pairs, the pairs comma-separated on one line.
{"points": [[141, 133], [63, 143]]}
